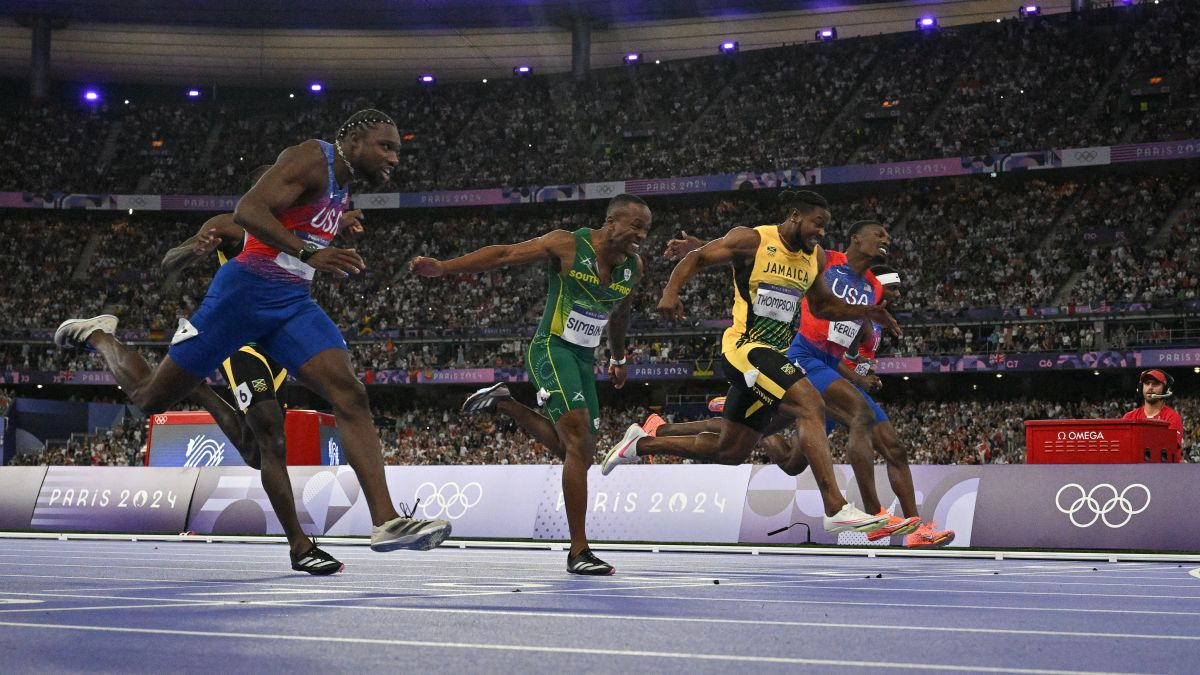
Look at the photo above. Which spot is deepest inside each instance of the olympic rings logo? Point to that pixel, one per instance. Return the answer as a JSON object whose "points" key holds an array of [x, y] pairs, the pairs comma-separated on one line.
{"points": [[1085, 155], [1100, 511], [450, 499], [160, 419]]}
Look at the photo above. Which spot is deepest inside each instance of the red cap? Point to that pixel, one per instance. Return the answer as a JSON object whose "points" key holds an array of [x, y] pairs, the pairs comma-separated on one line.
{"points": [[1155, 375]]}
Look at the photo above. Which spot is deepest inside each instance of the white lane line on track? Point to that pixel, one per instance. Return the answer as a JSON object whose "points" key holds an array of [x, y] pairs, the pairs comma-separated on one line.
{"points": [[277, 591], [392, 591], [318, 602], [450, 556], [551, 614], [181, 563], [901, 605], [539, 649], [198, 603]]}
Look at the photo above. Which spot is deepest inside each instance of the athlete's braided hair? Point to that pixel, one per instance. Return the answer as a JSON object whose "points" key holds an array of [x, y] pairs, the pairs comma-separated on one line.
{"points": [[363, 118], [802, 200]]}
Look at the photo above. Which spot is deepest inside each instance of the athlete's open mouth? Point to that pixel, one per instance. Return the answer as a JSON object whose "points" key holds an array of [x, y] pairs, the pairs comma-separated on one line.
{"points": [[883, 250]]}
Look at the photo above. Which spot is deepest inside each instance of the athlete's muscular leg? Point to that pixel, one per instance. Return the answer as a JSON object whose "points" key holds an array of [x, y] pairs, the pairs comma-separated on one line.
{"points": [[575, 436], [330, 375], [711, 425], [535, 424], [731, 446], [887, 443], [265, 418], [231, 423], [151, 389], [846, 405], [792, 461], [802, 402]]}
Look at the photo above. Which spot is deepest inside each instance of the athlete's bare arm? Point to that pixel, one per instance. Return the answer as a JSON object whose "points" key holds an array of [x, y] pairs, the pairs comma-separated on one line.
{"points": [[618, 326], [558, 244], [677, 248], [825, 305], [738, 245], [299, 175], [218, 232]]}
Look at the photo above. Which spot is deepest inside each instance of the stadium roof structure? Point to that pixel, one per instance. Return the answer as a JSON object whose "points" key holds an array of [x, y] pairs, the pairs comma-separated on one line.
{"points": [[357, 43], [404, 14]]}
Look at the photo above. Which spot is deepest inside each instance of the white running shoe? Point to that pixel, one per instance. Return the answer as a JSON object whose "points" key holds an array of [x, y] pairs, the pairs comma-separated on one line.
{"points": [[485, 400], [410, 533], [74, 332], [624, 452], [851, 518]]}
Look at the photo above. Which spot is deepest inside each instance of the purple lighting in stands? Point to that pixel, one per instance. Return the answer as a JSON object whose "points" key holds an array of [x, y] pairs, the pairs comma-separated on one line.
{"points": [[1030, 10], [91, 95], [729, 47], [522, 70], [633, 57], [315, 87], [427, 79], [194, 93], [926, 23], [826, 34]]}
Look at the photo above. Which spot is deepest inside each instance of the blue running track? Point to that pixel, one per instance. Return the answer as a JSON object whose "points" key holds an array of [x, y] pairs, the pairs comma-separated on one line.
{"points": [[109, 606]]}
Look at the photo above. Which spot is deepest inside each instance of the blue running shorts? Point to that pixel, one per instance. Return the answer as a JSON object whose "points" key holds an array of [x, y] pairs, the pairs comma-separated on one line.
{"points": [[821, 369], [241, 307]]}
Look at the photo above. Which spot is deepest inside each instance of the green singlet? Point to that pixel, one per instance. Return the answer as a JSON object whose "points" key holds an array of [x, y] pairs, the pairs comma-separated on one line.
{"points": [[561, 358]]}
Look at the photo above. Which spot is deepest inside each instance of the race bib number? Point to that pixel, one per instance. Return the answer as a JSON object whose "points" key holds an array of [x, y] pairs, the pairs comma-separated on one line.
{"points": [[777, 302], [243, 396], [843, 332], [584, 327]]}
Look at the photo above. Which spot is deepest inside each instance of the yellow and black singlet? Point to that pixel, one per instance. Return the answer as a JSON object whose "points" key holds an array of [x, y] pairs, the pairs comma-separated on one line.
{"points": [[767, 293]]}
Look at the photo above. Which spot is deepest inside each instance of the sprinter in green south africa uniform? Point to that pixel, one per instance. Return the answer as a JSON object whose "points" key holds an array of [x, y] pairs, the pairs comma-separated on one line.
{"points": [[590, 277]]}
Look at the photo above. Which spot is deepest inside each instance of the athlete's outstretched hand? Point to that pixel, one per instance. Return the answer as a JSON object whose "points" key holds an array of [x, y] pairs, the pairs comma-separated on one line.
{"points": [[426, 267], [350, 224], [879, 315], [869, 382], [670, 307], [206, 242], [344, 261], [677, 248], [617, 374]]}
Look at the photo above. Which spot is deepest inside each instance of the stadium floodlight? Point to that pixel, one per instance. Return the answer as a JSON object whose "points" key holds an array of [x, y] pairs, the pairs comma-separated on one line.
{"points": [[632, 58], [522, 71], [927, 23], [427, 78], [827, 34], [728, 47], [1029, 10], [315, 87], [91, 95], [193, 93]]}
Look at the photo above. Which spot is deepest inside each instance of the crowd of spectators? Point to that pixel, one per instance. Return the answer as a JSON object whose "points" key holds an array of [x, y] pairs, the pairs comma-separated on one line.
{"points": [[1081, 245], [935, 432], [123, 445], [1053, 81]]}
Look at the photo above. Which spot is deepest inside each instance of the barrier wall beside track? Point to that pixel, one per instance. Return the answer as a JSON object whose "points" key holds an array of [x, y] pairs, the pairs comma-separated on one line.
{"points": [[1110, 507]]}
